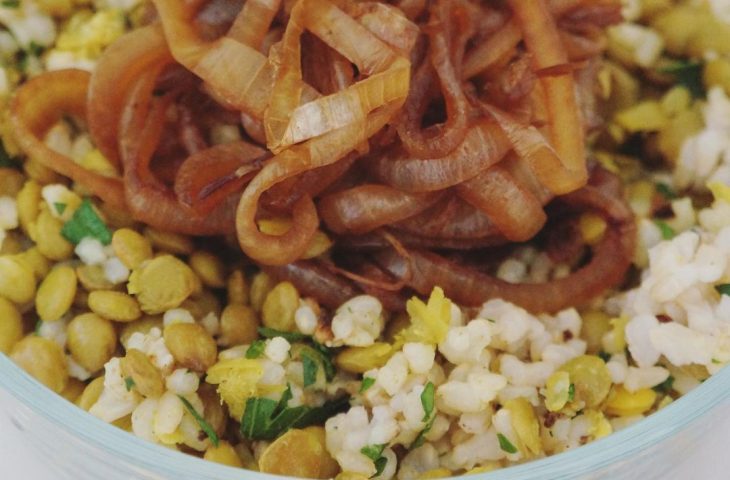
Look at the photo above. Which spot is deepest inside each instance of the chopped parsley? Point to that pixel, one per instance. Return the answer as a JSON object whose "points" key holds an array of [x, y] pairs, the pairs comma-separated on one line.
{"points": [[310, 370], [571, 392], [668, 232], [60, 207], [38, 326], [367, 382], [605, 356], [427, 402], [204, 426], [505, 444], [86, 223], [35, 49], [10, 3], [313, 354], [666, 386], [687, 73], [6, 161], [723, 289], [665, 191], [313, 357], [288, 336], [129, 383], [266, 419], [256, 349], [375, 453]]}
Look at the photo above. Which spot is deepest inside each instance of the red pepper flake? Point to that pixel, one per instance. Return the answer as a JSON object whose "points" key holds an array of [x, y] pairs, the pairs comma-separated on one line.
{"points": [[664, 318], [550, 419]]}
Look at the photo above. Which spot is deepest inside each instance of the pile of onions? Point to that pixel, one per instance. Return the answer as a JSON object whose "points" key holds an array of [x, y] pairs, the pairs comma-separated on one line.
{"points": [[419, 135]]}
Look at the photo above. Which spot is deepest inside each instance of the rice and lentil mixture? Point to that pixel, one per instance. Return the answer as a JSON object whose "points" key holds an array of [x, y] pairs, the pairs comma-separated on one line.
{"points": [[179, 342]]}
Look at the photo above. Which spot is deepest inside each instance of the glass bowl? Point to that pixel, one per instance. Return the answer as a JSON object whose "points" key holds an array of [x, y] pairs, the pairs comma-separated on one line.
{"points": [[680, 441]]}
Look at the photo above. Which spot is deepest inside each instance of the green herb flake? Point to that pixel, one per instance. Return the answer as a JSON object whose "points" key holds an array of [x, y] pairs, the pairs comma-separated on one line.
{"points": [[723, 289], [35, 49], [60, 207], [325, 356], [310, 370], [266, 419], [716, 361], [205, 426], [6, 161], [665, 191], [666, 386], [427, 400], [605, 356], [316, 355], [256, 349], [129, 383], [375, 453], [505, 444], [571, 392], [10, 3], [367, 382], [38, 326], [668, 232], [288, 336], [86, 223], [687, 73]]}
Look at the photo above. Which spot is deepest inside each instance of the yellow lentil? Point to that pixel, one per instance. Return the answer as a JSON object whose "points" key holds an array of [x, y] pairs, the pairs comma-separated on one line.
{"points": [[362, 359], [435, 473], [49, 239], [91, 394], [223, 454], [116, 306], [27, 203], [34, 260], [43, 359], [239, 325], [280, 306], [131, 247], [56, 293], [590, 377], [261, 285], [73, 390], [169, 242], [11, 182], [143, 325], [147, 379], [91, 340], [237, 287], [17, 282], [297, 453], [92, 277], [191, 345], [525, 424], [162, 284], [11, 326], [623, 403], [12, 244], [209, 268]]}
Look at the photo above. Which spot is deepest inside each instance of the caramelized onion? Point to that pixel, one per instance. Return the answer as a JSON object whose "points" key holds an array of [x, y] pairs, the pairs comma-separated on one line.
{"points": [[38, 105]]}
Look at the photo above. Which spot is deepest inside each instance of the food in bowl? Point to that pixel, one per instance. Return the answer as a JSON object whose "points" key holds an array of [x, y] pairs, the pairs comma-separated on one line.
{"points": [[338, 239]]}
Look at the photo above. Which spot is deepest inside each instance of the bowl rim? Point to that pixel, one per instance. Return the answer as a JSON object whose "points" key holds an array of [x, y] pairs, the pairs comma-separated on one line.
{"points": [[570, 464]]}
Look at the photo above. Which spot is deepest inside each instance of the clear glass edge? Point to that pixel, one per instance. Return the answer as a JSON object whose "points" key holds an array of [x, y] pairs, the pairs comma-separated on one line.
{"points": [[135, 451]]}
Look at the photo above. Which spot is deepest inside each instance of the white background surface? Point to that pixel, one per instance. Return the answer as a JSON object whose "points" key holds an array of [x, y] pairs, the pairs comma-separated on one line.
{"points": [[711, 460], [19, 460]]}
